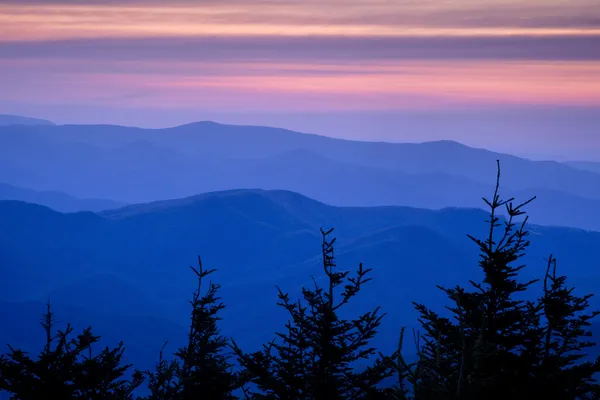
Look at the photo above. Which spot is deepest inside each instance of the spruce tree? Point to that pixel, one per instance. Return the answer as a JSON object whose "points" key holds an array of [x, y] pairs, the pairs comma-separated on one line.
{"points": [[315, 357], [495, 344], [561, 373], [163, 383], [201, 369], [67, 369]]}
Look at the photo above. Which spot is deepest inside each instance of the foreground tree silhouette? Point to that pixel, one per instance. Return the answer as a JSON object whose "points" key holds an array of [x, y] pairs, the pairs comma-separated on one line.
{"points": [[201, 369], [314, 357], [496, 345], [67, 369], [163, 382], [559, 370]]}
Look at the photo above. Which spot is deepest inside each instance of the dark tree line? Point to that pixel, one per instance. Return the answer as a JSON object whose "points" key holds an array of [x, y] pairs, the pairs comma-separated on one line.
{"points": [[489, 343], [67, 368]]}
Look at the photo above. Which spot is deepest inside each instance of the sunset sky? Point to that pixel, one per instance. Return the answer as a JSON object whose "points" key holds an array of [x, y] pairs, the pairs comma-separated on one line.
{"points": [[307, 64]]}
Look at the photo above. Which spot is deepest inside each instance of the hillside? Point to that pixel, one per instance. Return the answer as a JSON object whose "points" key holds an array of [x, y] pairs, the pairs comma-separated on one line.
{"points": [[18, 120], [135, 259], [591, 166], [56, 200], [142, 165]]}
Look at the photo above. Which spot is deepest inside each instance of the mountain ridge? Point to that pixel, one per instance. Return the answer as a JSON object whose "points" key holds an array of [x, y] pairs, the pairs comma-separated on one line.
{"points": [[137, 165], [58, 201], [256, 239], [10, 119]]}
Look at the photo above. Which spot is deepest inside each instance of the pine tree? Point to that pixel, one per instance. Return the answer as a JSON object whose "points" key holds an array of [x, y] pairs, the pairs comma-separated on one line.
{"points": [[315, 357], [163, 383], [494, 344], [559, 372], [201, 369], [476, 353], [67, 368], [406, 373]]}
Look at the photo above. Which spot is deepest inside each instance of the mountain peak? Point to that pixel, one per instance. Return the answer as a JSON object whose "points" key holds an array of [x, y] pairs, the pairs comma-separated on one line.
{"points": [[201, 122], [192, 201], [448, 144]]}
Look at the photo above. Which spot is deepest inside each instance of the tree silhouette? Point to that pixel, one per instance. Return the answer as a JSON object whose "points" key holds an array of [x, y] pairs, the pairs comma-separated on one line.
{"points": [[315, 357], [163, 382], [491, 342], [495, 344], [67, 368], [559, 372], [201, 369]]}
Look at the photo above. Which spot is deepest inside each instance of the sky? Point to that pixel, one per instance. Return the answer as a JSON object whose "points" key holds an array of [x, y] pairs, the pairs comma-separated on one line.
{"points": [[514, 75]]}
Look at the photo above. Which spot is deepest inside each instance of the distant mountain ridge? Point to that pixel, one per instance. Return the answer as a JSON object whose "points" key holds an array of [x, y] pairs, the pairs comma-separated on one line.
{"points": [[6, 119], [592, 166], [56, 200], [142, 165], [256, 239]]}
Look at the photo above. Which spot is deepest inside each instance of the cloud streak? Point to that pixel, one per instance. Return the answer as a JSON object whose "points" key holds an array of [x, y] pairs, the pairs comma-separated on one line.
{"points": [[282, 86], [302, 49], [310, 55], [356, 18]]}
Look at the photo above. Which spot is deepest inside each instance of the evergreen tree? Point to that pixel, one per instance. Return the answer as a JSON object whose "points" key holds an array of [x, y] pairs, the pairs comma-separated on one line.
{"points": [[315, 357], [163, 382], [67, 369], [201, 369], [559, 373], [495, 345]]}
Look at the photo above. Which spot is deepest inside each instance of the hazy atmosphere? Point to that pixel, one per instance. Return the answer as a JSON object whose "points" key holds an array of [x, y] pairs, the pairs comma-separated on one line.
{"points": [[362, 69], [300, 200]]}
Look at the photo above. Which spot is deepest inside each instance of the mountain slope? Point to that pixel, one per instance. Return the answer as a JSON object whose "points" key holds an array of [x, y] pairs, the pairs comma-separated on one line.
{"points": [[552, 207], [256, 239], [56, 200], [216, 141], [431, 157], [591, 166], [18, 120], [140, 165]]}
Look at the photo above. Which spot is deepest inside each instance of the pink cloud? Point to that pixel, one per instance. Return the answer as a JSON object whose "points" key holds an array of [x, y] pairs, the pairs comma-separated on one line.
{"points": [[291, 86]]}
